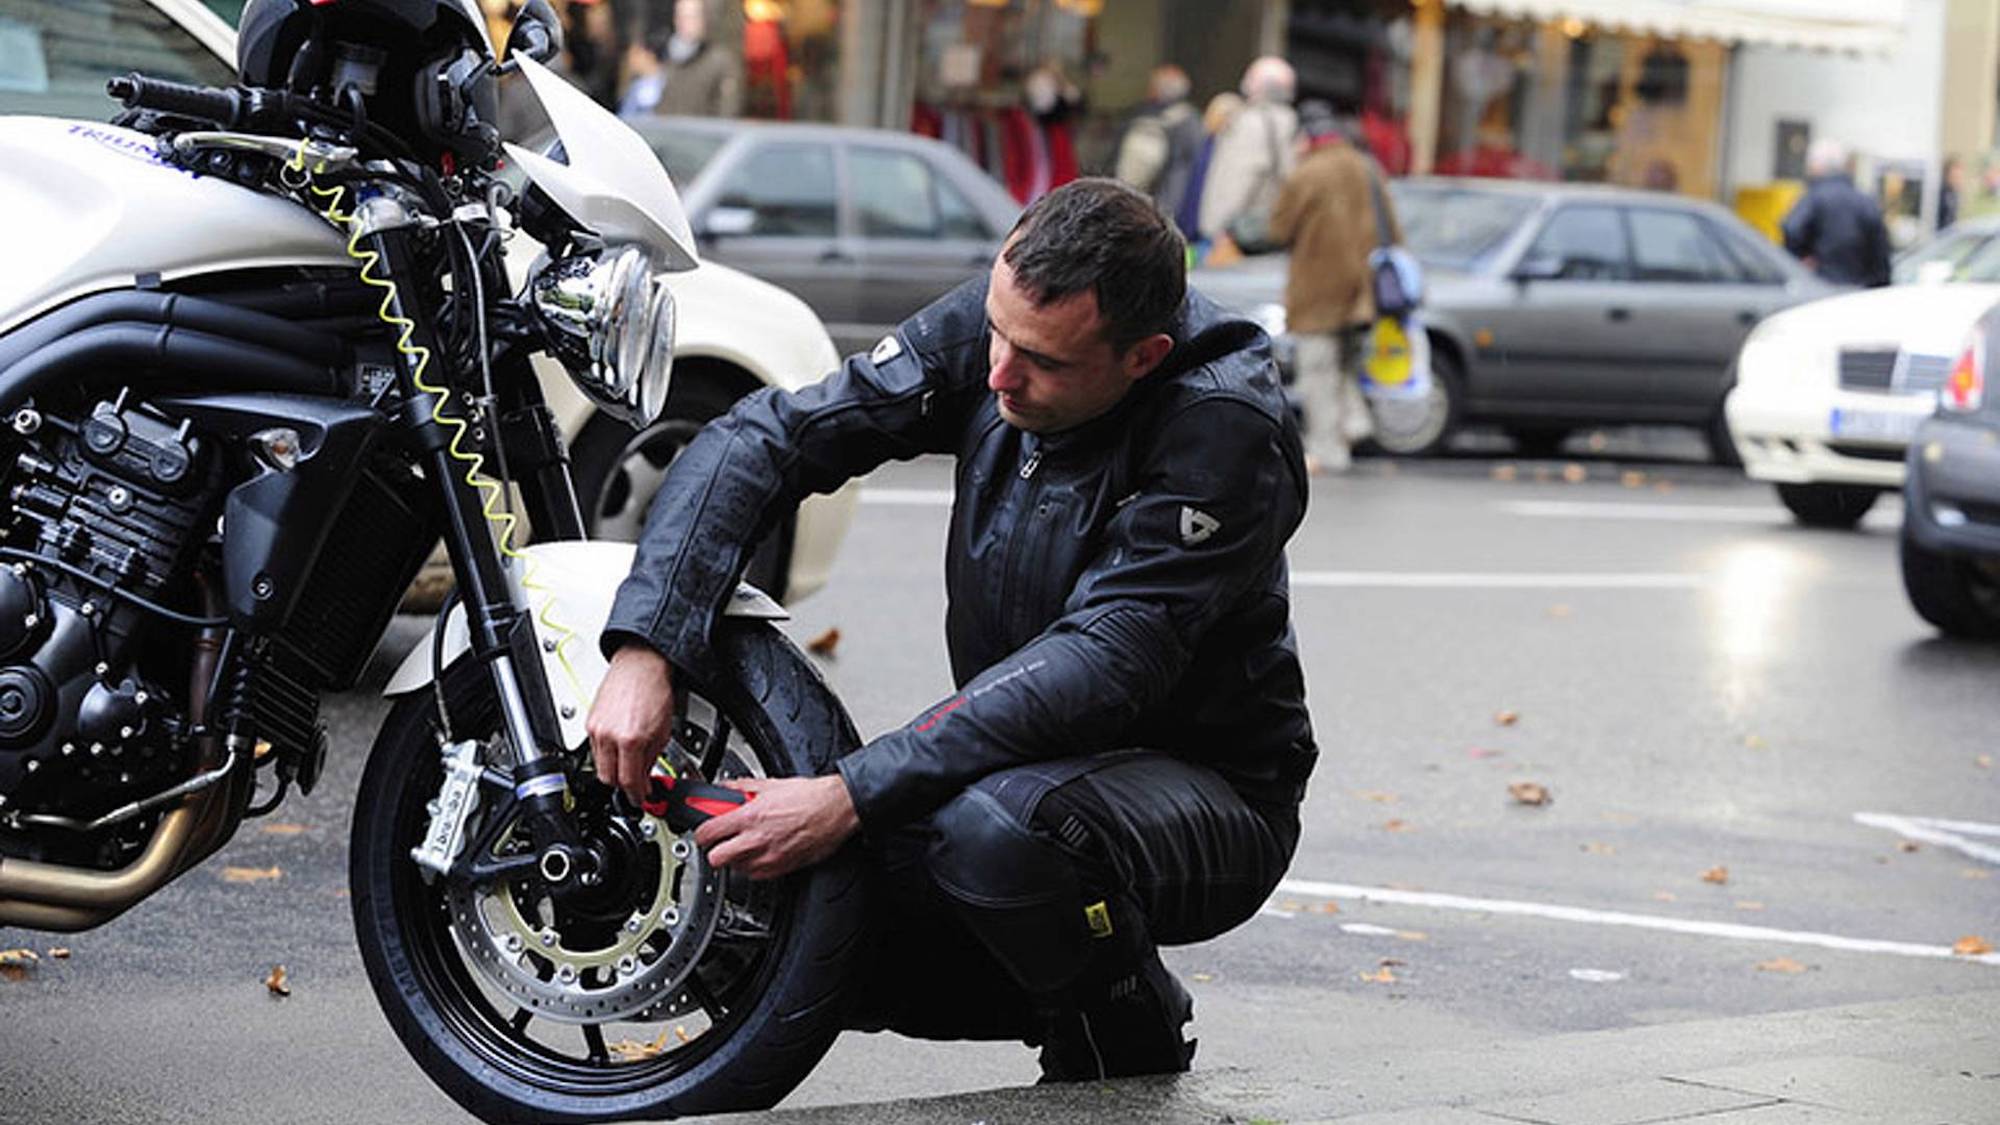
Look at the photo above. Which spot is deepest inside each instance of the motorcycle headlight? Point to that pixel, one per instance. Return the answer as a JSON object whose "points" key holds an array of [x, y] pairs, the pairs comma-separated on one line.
{"points": [[611, 323]]}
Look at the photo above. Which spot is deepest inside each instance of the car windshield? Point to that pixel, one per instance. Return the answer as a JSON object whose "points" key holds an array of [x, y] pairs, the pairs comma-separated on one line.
{"points": [[685, 152], [1952, 256], [1455, 227]]}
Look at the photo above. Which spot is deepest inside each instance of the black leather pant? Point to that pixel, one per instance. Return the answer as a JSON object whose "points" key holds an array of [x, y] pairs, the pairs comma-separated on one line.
{"points": [[1040, 876]]}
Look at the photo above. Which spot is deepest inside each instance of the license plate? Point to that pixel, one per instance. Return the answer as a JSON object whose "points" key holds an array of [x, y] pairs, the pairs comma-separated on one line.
{"points": [[1874, 425]]}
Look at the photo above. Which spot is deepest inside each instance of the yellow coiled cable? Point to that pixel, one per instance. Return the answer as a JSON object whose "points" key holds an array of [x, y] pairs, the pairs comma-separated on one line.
{"points": [[490, 491]]}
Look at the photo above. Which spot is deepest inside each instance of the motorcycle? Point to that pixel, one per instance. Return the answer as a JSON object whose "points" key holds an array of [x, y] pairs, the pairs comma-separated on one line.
{"points": [[258, 355]]}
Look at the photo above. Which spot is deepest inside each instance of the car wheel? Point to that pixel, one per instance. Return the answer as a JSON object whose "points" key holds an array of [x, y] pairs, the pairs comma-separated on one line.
{"points": [[1420, 426], [618, 471], [1838, 506], [1959, 596], [1538, 441]]}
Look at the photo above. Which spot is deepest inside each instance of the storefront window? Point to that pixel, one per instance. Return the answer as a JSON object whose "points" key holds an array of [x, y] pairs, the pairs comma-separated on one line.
{"points": [[1563, 101]]}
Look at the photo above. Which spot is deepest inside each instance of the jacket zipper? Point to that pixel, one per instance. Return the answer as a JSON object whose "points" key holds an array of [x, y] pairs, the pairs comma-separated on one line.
{"points": [[1023, 517]]}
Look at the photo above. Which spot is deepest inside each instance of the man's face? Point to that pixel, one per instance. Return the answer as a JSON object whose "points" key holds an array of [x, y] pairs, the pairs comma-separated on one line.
{"points": [[1051, 366]]}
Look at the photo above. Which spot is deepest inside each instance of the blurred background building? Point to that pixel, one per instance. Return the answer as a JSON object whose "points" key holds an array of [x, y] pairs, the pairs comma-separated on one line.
{"points": [[1714, 98]]}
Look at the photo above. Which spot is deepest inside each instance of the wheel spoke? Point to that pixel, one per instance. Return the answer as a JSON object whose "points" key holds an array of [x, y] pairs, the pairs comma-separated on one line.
{"points": [[718, 742], [705, 998], [520, 1021], [593, 1037]]}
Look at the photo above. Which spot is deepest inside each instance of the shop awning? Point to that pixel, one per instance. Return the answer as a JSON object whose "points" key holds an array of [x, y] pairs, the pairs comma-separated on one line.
{"points": [[1860, 26]]}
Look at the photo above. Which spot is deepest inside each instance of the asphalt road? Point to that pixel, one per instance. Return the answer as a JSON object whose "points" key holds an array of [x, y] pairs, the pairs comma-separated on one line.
{"points": [[1696, 682]]}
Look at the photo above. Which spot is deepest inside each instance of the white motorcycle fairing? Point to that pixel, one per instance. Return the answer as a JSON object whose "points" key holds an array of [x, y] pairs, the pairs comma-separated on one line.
{"points": [[613, 183], [94, 207], [582, 578]]}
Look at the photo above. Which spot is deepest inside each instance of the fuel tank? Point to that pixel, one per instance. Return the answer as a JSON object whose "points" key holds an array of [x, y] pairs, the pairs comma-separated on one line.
{"points": [[87, 207]]}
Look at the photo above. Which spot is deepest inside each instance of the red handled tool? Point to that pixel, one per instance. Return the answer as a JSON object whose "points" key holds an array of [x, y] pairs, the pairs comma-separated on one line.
{"points": [[685, 803]]}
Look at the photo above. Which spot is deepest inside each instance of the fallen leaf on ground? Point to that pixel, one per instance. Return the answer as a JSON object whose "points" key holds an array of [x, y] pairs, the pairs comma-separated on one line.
{"points": [[1379, 976], [1326, 908], [630, 1051], [1200, 978], [825, 643], [1505, 472], [283, 829], [277, 983], [1746, 904], [14, 963], [681, 1033], [1412, 935], [1972, 945], [1575, 473], [1506, 718], [1974, 873], [1984, 761], [1755, 742], [60, 953], [1529, 793], [1631, 479], [1780, 965], [251, 874], [1560, 611], [1394, 825], [1664, 486], [1391, 963], [1595, 848], [1291, 905], [1666, 896], [1376, 796], [1716, 875], [1908, 846]]}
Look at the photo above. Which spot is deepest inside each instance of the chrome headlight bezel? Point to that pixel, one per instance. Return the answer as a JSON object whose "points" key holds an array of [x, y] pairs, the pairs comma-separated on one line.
{"points": [[609, 317]]}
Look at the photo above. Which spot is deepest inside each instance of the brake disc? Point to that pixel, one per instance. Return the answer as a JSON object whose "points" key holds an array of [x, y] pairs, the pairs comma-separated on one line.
{"points": [[509, 932]]}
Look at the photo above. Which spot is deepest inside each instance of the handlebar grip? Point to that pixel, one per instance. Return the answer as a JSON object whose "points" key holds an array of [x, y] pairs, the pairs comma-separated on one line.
{"points": [[136, 91]]}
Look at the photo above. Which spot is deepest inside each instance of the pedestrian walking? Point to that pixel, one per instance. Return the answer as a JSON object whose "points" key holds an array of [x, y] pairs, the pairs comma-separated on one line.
{"points": [[1333, 216], [699, 78], [1157, 152], [1835, 229], [1252, 157], [1215, 118]]}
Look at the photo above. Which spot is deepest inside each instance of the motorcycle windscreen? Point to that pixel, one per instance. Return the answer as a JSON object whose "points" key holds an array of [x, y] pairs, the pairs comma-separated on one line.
{"points": [[612, 183]]}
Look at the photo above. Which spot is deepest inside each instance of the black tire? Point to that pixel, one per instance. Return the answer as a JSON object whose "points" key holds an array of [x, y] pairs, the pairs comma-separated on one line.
{"points": [[618, 469], [1538, 441], [1835, 506], [769, 958], [1954, 594], [1422, 428]]}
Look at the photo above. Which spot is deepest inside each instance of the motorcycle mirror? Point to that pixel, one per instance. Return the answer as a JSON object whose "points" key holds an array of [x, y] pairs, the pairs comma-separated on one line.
{"points": [[537, 34]]}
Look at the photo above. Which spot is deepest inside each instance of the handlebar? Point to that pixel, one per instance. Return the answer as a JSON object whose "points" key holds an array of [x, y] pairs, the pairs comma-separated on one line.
{"points": [[228, 108]]}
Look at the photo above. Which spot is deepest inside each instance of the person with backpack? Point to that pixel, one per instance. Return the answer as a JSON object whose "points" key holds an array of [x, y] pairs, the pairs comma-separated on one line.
{"points": [[1157, 152]]}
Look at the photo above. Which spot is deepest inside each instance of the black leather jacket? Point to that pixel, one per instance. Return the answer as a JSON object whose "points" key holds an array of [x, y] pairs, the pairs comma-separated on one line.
{"points": [[1119, 584]]}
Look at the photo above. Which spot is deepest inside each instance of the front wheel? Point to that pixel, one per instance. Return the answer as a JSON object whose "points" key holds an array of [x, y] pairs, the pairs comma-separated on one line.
{"points": [[1959, 596], [1417, 427], [1836, 506], [670, 988]]}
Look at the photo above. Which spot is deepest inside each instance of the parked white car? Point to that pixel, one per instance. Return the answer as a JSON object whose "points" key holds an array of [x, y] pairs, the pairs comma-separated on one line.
{"points": [[735, 334], [1828, 393]]}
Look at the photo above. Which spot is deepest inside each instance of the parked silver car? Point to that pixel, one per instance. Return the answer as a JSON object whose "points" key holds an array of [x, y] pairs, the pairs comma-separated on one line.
{"points": [[865, 225], [1555, 306]]}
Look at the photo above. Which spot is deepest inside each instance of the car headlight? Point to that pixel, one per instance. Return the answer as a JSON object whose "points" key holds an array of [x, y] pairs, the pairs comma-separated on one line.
{"points": [[610, 320]]}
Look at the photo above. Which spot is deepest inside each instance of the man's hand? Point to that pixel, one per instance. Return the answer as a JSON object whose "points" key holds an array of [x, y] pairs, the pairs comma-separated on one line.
{"points": [[793, 822], [632, 718]]}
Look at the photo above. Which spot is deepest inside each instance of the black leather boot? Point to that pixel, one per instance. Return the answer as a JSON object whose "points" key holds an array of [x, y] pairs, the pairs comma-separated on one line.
{"points": [[1128, 1025]]}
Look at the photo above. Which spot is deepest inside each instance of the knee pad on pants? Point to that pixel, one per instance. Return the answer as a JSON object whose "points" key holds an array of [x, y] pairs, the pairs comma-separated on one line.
{"points": [[1014, 887]]}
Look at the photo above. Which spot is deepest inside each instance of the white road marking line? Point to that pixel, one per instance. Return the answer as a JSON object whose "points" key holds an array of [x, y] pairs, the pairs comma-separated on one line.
{"points": [[1588, 916], [1942, 833], [1672, 513], [908, 497], [1274, 912], [1366, 929], [1596, 976], [1420, 580]]}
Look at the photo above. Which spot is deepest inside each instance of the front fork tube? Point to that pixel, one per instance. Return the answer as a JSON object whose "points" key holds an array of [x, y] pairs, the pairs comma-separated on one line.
{"points": [[502, 632]]}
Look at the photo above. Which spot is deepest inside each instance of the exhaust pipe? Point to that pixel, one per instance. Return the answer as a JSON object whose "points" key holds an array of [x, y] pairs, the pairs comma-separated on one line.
{"points": [[46, 896]]}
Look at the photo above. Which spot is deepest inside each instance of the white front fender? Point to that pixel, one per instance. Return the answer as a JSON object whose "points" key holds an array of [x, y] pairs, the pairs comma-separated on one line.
{"points": [[570, 587]]}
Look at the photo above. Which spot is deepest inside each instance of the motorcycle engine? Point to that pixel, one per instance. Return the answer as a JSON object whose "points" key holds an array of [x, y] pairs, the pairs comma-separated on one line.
{"points": [[91, 714]]}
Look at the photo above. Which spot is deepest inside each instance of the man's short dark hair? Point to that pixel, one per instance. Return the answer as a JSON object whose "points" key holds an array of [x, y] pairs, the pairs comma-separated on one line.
{"points": [[1108, 238]]}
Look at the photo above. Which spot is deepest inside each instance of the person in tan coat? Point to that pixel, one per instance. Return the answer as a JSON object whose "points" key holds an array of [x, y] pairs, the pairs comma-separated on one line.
{"points": [[701, 78], [1326, 214]]}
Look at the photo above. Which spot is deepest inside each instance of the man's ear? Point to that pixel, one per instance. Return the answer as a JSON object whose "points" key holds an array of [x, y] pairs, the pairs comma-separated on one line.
{"points": [[1143, 357]]}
